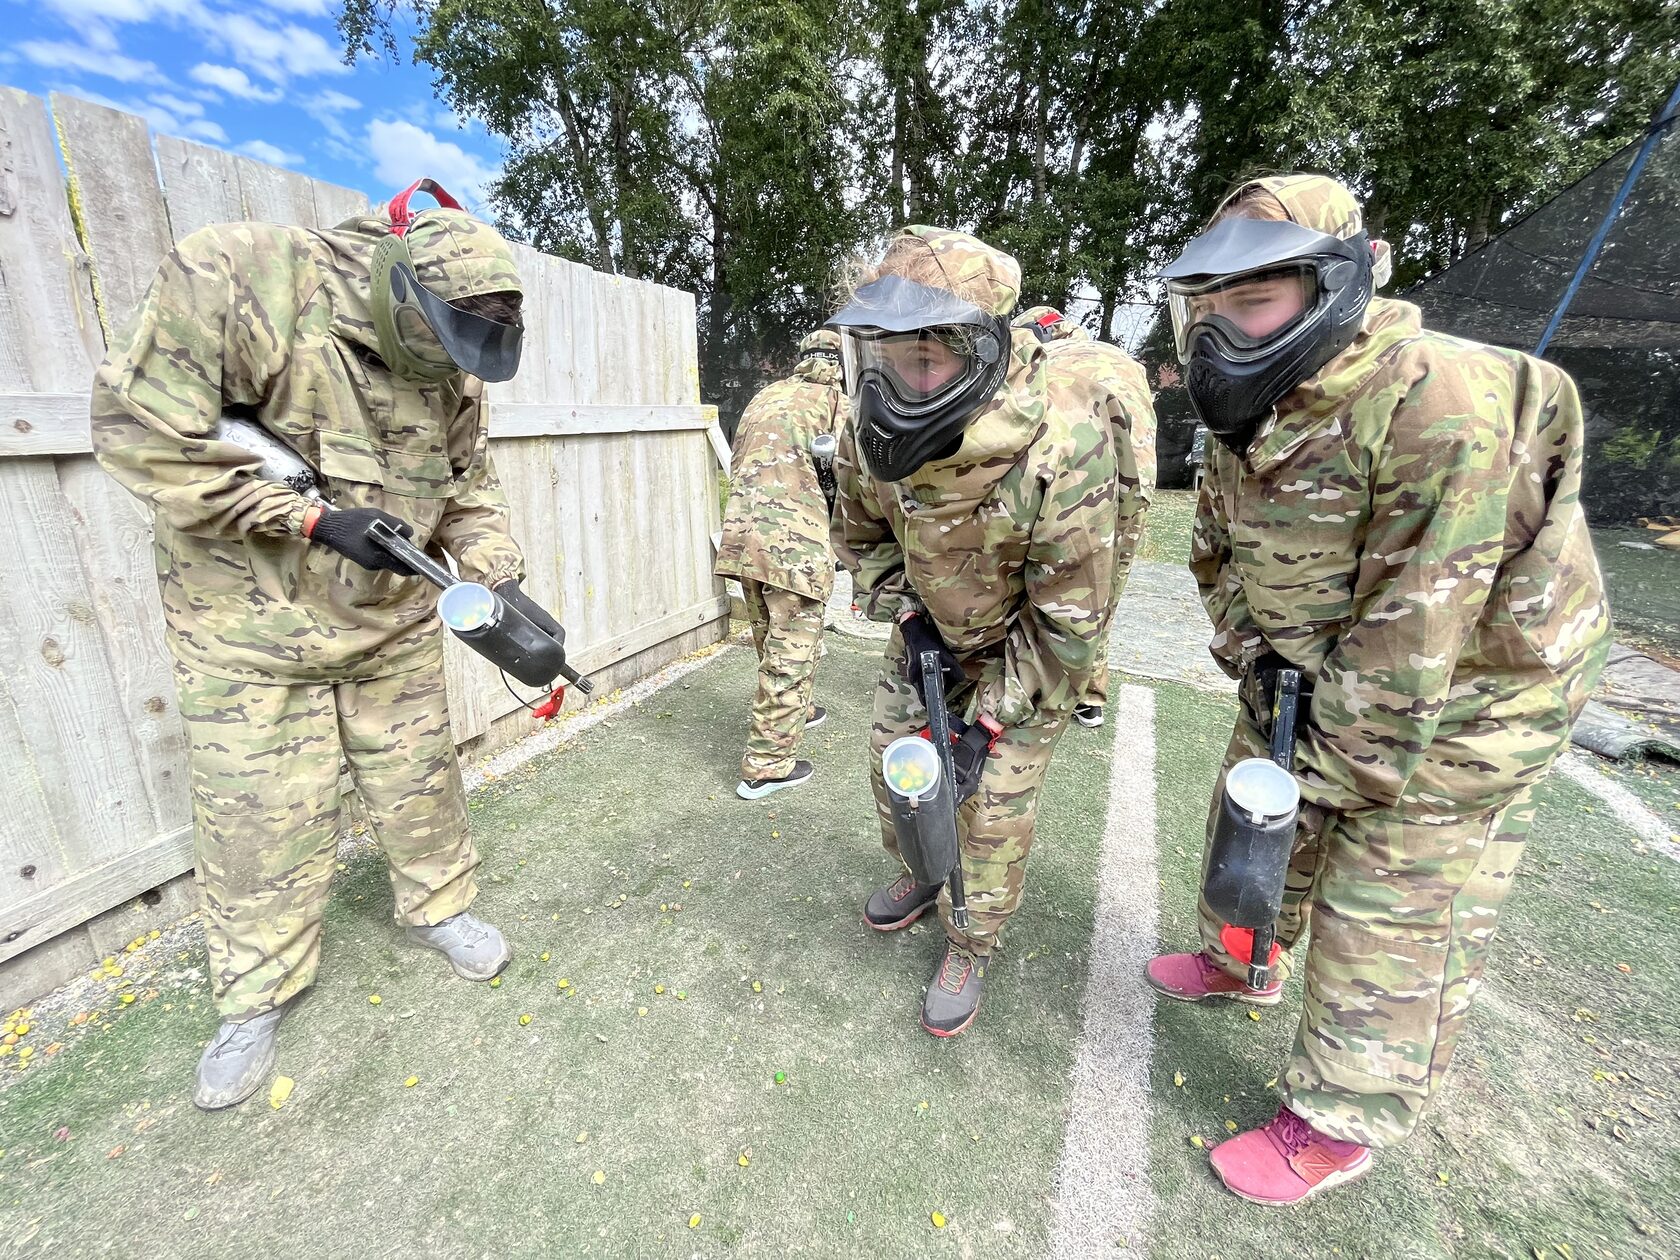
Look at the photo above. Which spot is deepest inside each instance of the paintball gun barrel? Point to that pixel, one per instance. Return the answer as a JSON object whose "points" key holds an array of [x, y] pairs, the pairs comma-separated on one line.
{"points": [[921, 786], [1253, 838], [478, 616]]}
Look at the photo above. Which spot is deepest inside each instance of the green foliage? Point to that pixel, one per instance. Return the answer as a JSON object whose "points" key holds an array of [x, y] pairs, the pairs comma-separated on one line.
{"points": [[741, 149]]}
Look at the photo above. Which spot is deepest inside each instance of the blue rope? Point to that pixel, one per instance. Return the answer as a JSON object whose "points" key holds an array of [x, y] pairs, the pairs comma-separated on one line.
{"points": [[1628, 181]]}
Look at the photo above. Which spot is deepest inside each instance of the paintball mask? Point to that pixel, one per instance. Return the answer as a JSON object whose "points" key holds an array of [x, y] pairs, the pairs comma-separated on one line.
{"points": [[919, 363], [1257, 307], [445, 293]]}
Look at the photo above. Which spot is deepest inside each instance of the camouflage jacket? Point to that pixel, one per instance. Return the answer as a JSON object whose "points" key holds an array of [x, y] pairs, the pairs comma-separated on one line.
{"points": [[276, 320], [775, 526], [1125, 378], [1408, 531], [1008, 545]]}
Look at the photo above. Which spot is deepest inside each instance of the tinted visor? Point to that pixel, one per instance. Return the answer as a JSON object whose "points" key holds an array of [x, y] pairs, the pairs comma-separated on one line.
{"points": [[485, 348], [916, 370], [1250, 313]]}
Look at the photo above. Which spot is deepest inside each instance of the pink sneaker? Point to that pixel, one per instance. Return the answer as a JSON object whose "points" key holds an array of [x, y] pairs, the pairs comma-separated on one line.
{"points": [[1286, 1161], [1195, 978]]}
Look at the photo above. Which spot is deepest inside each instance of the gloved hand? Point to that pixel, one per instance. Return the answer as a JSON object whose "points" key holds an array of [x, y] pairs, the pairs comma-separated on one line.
{"points": [[971, 744], [921, 635], [534, 612], [345, 530]]}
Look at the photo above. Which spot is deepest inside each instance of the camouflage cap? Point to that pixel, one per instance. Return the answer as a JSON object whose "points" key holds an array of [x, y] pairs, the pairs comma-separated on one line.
{"points": [[457, 256], [823, 341], [1312, 201], [969, 267]]}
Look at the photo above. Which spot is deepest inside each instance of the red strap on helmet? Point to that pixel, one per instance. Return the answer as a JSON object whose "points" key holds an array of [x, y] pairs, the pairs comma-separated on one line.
{"points": [[1050, 319], [402, 216]]}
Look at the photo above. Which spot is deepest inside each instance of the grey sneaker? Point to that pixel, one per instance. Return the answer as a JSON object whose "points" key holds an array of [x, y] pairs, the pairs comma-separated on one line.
{"points": [[816, 717], [953, 996], [1088, 714], [237, 1061], [476, 950], [900, 903]]}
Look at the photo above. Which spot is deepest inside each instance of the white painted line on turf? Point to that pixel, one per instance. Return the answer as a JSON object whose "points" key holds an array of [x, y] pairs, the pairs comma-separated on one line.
{"points": [[1628, 808], [1102, 1193]]}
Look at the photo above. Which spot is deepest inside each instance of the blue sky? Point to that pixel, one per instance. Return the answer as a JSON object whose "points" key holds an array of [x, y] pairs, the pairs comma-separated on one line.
{"points": [[266, 80]]}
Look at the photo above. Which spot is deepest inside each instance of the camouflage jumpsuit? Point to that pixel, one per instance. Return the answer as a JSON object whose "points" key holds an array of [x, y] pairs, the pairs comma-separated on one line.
{"points": [[1008, 546], [1407, 531], [775, 540], [1125, 378], [289, 657]]}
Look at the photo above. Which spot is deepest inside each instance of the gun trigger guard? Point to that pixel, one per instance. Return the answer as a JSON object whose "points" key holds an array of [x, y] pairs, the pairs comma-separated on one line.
{"points": [[550, 708]]}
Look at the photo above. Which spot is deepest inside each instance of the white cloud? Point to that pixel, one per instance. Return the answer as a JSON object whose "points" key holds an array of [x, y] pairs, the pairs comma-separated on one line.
{"points": [[332, 102], [306, 8], [161, 118], [275, 53], [403, 152], [58, 55], [177, 105], [449, 121], [273, 154], [233, 81]]}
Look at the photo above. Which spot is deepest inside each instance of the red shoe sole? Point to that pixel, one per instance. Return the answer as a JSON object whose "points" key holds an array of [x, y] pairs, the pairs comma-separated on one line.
{"points": [[952, 1032], [1247, 999], [1330, 1182], [902, 923]]}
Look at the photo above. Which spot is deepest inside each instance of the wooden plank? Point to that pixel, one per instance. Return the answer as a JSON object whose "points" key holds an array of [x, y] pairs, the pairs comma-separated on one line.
{"points": [[49, 327], [720, 444], [114, 185], [114, 543], [45, 914], [334, 203], [200, 185], [272, 194], [55, 669], [57, 424], [45, 424], [573, 293], [536, 419]]}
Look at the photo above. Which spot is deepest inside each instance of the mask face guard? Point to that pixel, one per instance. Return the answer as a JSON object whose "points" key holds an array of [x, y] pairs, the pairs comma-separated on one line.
{"points": [[485, 348]]}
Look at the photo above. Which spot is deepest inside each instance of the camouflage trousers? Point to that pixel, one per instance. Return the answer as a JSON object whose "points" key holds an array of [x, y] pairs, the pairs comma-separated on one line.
{"points": [[265, 790], [1125, 552], [1402, 912], [995, 826], [787, 631]]}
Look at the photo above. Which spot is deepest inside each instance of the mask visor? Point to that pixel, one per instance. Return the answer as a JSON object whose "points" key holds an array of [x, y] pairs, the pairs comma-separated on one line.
{"points": [[485, 348], [1250, 314]]}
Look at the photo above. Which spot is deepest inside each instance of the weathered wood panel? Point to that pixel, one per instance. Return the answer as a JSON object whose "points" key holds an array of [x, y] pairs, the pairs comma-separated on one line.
{"points": [[114, 185], [274, 195], [335, 203], [201, 184]]}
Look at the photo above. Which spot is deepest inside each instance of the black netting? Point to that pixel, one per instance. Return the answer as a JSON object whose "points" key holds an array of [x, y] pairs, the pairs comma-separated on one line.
{"points": [[1620, 339], [1505, 292]]}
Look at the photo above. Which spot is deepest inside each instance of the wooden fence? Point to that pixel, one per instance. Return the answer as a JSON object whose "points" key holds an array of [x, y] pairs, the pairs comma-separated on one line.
{"points": [[607, 455]]}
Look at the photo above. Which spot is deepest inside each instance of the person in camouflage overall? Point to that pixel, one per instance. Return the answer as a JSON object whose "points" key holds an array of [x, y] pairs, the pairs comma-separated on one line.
{"points": [[775, 540], [978, 483], [1126, 379], [1402, 524], [297, 643]]}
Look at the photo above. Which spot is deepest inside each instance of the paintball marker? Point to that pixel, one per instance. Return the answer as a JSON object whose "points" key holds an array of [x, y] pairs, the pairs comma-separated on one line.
{"points": [[823, 449], [1253, 837], [921, 786], [479, 617]]}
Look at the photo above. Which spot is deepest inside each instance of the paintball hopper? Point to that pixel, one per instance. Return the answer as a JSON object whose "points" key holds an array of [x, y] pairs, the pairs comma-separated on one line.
{"points": [[477, 616], [924, 817], [1253, 838]]}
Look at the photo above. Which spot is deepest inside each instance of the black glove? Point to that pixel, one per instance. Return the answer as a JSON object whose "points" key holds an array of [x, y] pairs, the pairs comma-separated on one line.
{"points": [[534, 612], [921, 635], [345, 530], [971, 744]]}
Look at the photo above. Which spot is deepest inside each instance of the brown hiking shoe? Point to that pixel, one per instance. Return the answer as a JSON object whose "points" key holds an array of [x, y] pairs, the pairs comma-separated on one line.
{"points": [[953, 995]]}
